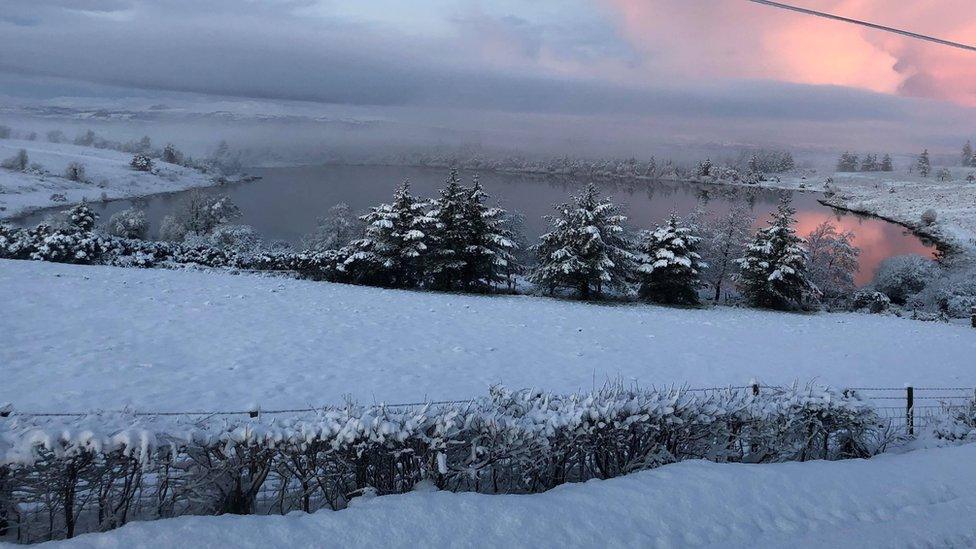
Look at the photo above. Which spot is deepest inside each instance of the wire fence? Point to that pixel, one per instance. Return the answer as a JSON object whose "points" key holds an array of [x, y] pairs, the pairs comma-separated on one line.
{"points": [[905, 407]]}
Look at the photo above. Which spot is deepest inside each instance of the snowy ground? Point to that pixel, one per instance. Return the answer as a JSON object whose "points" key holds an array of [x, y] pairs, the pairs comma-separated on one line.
{"points": [[925, 498], [108, 172], [905, 199], [83, 338]]}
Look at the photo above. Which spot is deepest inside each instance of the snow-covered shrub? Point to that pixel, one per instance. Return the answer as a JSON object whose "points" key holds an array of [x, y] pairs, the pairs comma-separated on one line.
{"points": [[870, 301], [958, 423], [129, 223], [929, 217], [69, 246], [141, 162], [198, 213], [903, 277], [336, 229], [5, 132], [75, 172], [236, 239], [18, 162], [523, 441], [58, 197]]}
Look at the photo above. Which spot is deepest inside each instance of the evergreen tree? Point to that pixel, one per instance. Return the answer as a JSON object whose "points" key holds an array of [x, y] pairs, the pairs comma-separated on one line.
{"points": [[870, 163], [923, 164], [586, 249], [490, 243], [668, 264], [967, 154], [395, 243], [886, 164], [81, 217], [848, 162], [774, 270], [474, 245], [449, 211]]}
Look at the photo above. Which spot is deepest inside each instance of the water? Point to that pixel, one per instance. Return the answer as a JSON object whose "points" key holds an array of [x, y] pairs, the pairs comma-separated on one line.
{"points": [[285, 203]]}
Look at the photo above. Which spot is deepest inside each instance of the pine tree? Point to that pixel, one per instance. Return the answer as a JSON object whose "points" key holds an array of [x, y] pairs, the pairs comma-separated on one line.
{"points": [[395, 243], [923, 164], [870, 163], [967, 154], [886, 164], [847, 162], [490, 243], [586, 249], [81, 217], [668, 264], [449, 211], [774, 270]]}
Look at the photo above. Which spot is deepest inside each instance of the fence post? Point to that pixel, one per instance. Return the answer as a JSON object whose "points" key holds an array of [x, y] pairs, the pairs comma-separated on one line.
{"points": [[910, 409], [973, 313]]}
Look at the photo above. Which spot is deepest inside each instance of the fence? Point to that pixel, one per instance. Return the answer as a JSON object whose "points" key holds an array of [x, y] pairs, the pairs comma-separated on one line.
{"points": [[905, 407]]}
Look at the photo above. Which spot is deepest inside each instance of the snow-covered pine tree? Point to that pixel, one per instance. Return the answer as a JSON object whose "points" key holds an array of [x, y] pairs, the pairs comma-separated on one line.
{"points": [[490, 244], [141, 162], [847, 162], [724, 242], [81, 217], [774, 269], [668, 264], [394, 244], [586, 249], [923, 164], [967, 154], [449, 211], [886, 164]]}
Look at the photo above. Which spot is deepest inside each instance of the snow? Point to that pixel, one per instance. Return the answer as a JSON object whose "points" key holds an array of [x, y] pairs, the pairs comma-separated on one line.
{"points": [[107, 171], [923, 498], [94, 337]]}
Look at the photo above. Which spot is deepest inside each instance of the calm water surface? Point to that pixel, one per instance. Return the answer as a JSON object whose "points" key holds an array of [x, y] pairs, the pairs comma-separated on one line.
{"points": [[285, 203]]}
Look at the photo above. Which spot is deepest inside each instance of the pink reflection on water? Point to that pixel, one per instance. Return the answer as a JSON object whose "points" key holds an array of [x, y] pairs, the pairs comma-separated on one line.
{"points": [[877, 239]]}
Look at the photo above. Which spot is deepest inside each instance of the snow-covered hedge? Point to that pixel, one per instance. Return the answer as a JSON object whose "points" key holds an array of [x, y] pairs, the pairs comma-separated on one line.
{"points": [[61, 476]]}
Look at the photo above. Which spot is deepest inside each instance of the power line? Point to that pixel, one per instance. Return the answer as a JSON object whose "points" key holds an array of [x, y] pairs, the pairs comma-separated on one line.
{"points": [[867, 24]]}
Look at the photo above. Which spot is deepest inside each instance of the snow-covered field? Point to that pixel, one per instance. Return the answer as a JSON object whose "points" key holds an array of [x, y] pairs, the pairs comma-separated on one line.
{"points": [[925, 498], [83, 338], [905, 199], [107, 172]]}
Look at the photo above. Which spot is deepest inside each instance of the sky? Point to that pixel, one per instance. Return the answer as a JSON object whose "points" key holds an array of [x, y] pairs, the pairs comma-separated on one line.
{"points": [[698, 70]]}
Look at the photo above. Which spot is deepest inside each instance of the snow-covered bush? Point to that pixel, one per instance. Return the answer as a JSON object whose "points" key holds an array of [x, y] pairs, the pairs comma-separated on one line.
{"points": [[237, 239], [110, 468], [929, 217], [129, 223], [75, 172], [903, 277], [141, 162], [870, 301], [18, 162], [336, 229], [198, 213]]}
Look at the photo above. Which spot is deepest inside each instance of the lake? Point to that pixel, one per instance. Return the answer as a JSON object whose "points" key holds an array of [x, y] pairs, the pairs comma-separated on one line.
{"points": [[286, 202]]}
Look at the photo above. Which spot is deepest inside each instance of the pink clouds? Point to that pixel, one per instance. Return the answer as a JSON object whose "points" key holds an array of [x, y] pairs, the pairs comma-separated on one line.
{"points": [[736, 39]]}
